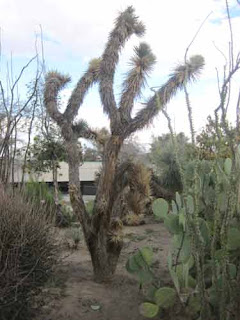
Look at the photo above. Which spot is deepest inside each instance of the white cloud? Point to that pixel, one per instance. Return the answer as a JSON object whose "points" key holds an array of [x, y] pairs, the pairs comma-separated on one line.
{"points": [[83, 26], [79, 29]]}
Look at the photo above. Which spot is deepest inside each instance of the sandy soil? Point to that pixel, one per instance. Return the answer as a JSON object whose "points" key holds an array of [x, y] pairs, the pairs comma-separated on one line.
{"points": [[73, 295]]}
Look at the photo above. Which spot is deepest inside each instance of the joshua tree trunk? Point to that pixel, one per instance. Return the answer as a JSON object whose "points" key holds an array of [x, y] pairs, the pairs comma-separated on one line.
{"points": [[74, 185], [105, 190], [55, 182], [104, 251], [102, 231], [104, 255]]}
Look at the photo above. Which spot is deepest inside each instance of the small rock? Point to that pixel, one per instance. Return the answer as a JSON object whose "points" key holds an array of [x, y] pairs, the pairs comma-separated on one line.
{"points": [[95, 307]]}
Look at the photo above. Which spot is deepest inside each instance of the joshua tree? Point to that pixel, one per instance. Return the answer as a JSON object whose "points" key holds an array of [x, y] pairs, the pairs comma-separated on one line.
{"points": [[98, 228]]}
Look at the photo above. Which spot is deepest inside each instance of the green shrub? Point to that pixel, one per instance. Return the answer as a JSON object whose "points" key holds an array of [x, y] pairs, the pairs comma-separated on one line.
{"points": [[89, 207], [40, 194], [27, 255], [64, 216], [73, 237]]}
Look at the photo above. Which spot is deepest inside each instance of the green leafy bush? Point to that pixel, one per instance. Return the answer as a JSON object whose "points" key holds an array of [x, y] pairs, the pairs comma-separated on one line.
{"points": [[27, 255]]}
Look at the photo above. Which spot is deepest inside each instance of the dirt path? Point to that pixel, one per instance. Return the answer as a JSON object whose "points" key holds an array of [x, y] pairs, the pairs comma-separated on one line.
{"points": [[118, 300]]}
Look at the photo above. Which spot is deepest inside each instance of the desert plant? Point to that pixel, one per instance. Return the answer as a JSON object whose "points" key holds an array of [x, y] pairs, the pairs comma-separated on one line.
{"points": [[41, 195], [89, 207], [73, 237], [27, 255], [163, 158], [160, 298], [133, 219], [98, 228], [204, 261], [208, 139], [133, 189], [64, 216], [208, 235], [140, 264], [204, 258], [158, 190]]}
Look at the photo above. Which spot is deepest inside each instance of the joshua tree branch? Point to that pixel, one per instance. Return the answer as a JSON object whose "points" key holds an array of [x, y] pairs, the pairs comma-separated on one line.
{"points": [[89, 78], [126, 25], [53, 84], [142, 63], [81, 130], [182, 74]]}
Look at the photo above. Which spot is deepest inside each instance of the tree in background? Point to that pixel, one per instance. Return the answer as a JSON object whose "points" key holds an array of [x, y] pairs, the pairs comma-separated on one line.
{"points": [[98, 229], [131, 149], [14, 112], [91, 154], [209, 141], [162, 156], [95, 151], [45, 154]]}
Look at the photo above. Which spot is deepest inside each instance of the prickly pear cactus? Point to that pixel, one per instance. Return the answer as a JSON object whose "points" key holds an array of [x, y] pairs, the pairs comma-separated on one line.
{"points": [[205, 228]]}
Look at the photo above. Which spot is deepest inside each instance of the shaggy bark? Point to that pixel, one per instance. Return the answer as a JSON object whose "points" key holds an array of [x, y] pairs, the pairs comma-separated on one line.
{"points": [[55, 182], [102, 231], [104, 251], [74, 185], [104, 254]]}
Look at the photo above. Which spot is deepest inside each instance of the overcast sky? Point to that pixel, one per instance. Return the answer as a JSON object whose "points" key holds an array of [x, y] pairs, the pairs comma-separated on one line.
{"points": [[74, 32]]}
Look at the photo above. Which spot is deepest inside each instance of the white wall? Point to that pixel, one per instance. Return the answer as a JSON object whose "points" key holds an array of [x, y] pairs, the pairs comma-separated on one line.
{"points": [[87, 172]]}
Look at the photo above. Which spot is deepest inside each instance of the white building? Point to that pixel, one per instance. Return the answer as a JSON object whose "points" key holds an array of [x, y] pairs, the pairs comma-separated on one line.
{"points": [[87, 174]]}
